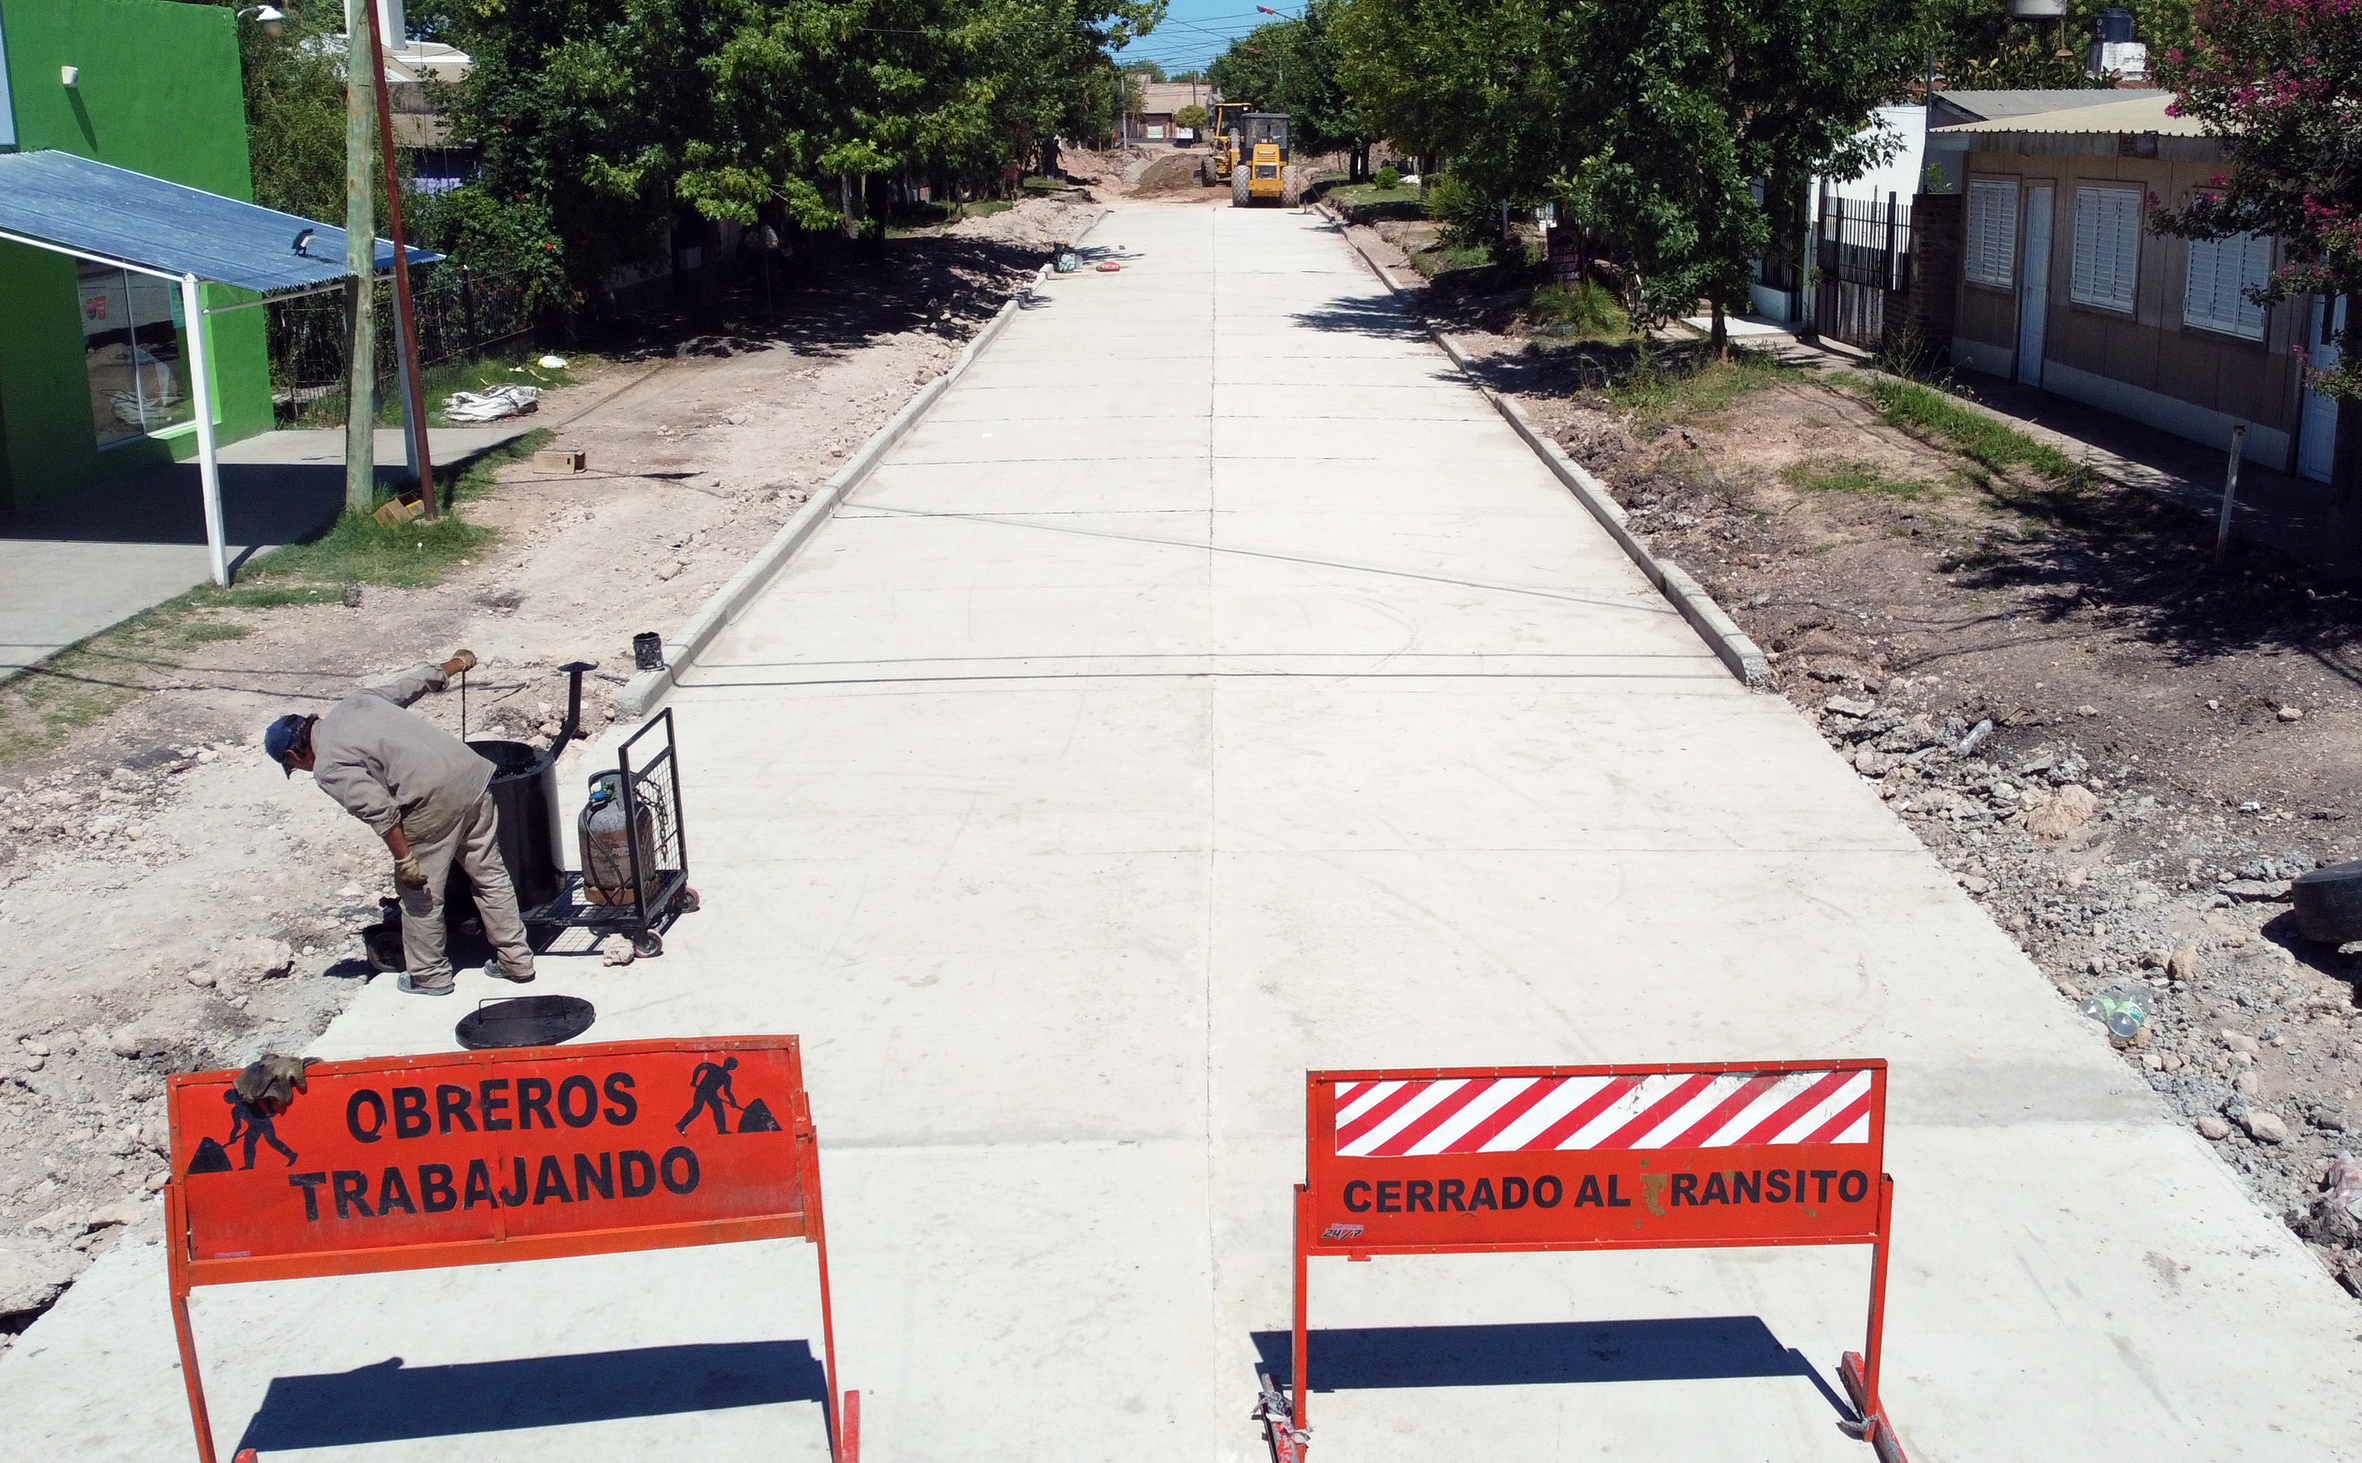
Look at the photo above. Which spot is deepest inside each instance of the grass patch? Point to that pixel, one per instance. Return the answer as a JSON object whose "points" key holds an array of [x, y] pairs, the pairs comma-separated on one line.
{"points": [[1445, 257], [1584, 312], [1933, 416], [1848, 476], [1360, 194], [357, 549], [1663, 386]]}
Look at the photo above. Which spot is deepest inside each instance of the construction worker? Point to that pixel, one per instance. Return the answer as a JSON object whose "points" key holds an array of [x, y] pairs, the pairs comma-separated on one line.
{"points": [[426, 793]]}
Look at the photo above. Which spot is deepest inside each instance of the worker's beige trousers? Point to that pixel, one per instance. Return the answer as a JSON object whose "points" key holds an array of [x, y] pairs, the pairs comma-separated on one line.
{"points": [[473, 843]]}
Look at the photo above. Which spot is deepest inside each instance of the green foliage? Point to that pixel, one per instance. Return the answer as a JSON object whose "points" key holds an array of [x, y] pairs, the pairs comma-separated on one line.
{"points": [[1658, 389], [1653, 121], [1469, 219], [1586, 312], [1388, 178], [1191, 116], [1845, 475], [1932, 416], [295, 111], [2278, 82], [615, 120], [1144, 69], [1292, 66]]}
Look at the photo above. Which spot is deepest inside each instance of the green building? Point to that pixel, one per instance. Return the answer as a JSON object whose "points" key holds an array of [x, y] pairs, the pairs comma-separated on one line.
{"points": [[93, 358]]}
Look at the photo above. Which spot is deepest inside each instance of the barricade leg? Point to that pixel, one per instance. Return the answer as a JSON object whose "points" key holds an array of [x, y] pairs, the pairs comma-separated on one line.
{"points": [[188, 1374], [176, 1229], [1859, 1370], [1300, 1358]]}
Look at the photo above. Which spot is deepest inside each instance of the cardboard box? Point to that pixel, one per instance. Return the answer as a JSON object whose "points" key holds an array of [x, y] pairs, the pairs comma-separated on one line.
{"points": [[397, 511], [561, 459]]}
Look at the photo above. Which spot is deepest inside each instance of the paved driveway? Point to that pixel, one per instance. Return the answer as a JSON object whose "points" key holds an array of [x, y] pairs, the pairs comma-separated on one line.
{"points": [[74, 567], [1213, 689]]}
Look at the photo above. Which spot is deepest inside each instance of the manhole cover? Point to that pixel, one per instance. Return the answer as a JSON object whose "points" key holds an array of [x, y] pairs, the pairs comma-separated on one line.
{"points": [[526, 1021]]}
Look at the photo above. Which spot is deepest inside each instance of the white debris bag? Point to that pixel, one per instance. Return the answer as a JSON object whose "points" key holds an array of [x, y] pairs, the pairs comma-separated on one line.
{"points": [[490, 405]]}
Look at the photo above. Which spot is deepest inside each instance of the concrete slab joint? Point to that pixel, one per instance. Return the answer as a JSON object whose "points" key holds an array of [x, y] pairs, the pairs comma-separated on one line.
{"points": [[640, 695], [1731, 645]]}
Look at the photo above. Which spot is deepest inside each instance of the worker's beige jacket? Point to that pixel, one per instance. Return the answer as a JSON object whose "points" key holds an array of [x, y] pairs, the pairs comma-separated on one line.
{"points": [[386, 766]]}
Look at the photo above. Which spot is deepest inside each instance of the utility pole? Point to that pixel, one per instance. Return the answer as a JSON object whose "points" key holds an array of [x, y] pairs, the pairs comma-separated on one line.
{"points": [[405, 317], [360, 260]]}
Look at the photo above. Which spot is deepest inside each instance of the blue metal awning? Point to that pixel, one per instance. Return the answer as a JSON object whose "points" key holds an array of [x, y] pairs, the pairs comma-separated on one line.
{"points": [[87, 207]]}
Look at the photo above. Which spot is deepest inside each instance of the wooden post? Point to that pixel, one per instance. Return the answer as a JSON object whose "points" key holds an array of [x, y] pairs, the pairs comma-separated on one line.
{"points": [[405, 319]]}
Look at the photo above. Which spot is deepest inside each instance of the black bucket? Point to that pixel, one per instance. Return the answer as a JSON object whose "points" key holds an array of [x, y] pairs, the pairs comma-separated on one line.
{"points": [[525, 791]]}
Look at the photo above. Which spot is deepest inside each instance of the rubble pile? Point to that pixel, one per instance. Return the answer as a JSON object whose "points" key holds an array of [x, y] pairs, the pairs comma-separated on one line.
{"points": [[2249, 1032]]}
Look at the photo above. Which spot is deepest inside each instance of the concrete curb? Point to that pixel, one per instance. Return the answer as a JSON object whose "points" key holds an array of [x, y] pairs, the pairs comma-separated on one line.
{"points": [[640, 695], [1730, 644]]}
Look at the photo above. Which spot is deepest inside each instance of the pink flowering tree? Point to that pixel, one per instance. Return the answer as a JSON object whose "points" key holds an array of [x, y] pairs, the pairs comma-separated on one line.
{"points": [[2280, 82]]}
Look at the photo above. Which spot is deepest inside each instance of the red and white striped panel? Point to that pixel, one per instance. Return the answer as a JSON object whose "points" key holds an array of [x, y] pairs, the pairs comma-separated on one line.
{"points": [[1664, 1110]]}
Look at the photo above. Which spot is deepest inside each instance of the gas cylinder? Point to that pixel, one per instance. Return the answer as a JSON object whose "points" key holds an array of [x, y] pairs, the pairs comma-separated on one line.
{"points": [[608, 845]]}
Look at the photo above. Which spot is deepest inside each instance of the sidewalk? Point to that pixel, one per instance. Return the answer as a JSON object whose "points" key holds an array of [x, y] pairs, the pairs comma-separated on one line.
{"points": [[1210, 689], [73, 567]]}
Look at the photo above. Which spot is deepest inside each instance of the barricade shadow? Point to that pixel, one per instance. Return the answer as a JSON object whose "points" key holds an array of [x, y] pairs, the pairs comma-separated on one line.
{"points": [[390, 1402], [1678, 1349]]}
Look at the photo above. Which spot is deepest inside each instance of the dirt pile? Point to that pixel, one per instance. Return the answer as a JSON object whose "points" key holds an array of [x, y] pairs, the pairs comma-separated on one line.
{"points": [[1173, 173]]}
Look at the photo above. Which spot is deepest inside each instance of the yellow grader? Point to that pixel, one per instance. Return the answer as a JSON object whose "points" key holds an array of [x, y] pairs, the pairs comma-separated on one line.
{"points": [[1251, 152]]}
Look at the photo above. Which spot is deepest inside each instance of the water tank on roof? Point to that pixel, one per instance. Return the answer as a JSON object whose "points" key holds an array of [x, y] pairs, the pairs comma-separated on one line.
{"points": [[2113, 27]]}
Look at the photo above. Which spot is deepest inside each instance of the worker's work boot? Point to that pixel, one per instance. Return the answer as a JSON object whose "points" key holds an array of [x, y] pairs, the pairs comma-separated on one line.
{"points": [[443, 987], [498, 971]]}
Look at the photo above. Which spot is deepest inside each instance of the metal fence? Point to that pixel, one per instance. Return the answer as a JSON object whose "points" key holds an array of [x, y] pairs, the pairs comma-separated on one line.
{"points": [[1862, 250], [461, 314]]}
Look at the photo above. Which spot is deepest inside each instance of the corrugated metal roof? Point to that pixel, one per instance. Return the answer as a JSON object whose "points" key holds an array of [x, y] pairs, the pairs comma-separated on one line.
{"points": [[120, 214], [2140, 112], [1995, 105]]}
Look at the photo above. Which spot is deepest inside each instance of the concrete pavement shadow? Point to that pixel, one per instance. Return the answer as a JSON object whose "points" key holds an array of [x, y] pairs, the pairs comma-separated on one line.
{"points": [[1678, 1349], [1376, 315], [389, 1402]]}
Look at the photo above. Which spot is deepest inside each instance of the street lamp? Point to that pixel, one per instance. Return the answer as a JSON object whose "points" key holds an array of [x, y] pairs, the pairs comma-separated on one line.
{"points": [[271, 18]]}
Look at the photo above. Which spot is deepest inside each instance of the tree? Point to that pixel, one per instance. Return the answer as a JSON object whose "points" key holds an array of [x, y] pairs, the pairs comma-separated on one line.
{"points": [[1656, 121], [620, 120], [2280, 82], [1291, 66], [1145, 70], [1192, 116]]}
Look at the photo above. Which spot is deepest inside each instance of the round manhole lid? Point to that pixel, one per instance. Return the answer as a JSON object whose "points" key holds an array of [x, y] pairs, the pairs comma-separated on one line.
{"points": [[525, 1021]]}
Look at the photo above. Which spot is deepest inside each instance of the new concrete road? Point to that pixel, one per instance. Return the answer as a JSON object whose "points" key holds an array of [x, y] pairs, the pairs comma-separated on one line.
{"points": [[1210, 689]]}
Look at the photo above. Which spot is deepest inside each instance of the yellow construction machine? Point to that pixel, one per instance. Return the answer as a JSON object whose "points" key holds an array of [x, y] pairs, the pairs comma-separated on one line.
{"points": [[1259, 169], [1225, 129]]}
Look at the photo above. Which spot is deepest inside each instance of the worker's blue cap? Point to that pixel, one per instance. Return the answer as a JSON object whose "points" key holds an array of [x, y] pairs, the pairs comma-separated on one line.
{"points": [[280, 738]]}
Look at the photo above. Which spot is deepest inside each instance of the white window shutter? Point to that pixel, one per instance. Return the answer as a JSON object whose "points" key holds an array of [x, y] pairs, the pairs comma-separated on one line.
{"points": [[1992, 232], [2107, 247], [2222, 271]]}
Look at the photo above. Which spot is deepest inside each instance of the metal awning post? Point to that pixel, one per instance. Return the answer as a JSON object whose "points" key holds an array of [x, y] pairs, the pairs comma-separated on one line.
{"points": [[208, 461]]}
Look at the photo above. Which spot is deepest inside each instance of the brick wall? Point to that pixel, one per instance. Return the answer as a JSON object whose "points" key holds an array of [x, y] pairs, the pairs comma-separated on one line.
{"points": [[1938, 222]]}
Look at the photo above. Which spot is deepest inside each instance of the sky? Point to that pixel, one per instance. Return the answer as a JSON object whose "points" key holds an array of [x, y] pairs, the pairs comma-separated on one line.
{"points": [[1194, 32]]}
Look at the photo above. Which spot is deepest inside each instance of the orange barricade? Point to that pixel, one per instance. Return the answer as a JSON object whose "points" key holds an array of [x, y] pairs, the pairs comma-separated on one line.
{"points": [[472, 1158], [1471, 1160]]}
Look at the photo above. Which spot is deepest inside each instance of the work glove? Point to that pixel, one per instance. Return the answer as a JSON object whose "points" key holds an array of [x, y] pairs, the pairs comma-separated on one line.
{"points": [[408, 874], [272, 1082], [461, 660]]}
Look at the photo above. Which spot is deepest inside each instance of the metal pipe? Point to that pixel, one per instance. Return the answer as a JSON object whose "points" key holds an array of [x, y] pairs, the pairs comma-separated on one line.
{"points": [[208, 459], [2222, 524]]}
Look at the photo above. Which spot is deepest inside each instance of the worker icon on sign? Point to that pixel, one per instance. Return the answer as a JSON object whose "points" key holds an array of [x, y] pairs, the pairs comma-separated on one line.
{"points": [[251, 1120], [712, 1086]]}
